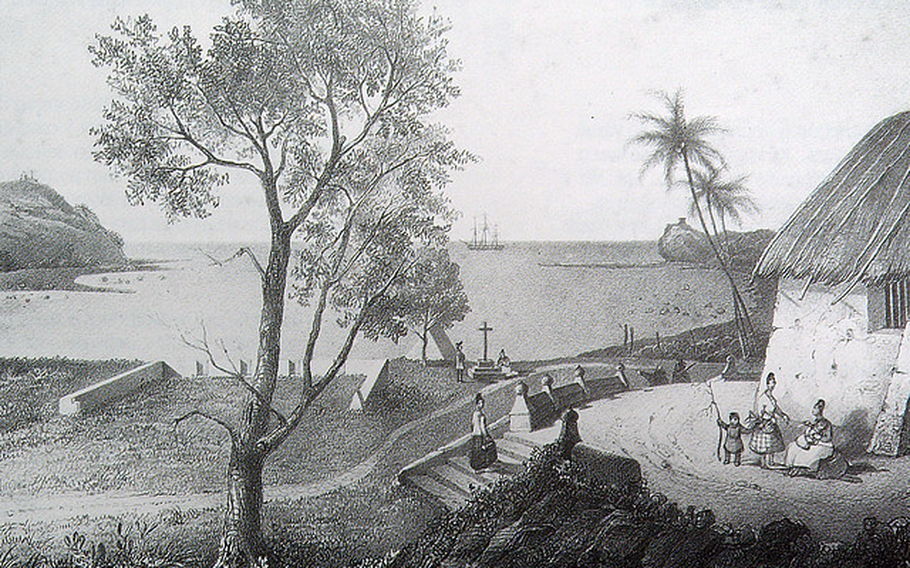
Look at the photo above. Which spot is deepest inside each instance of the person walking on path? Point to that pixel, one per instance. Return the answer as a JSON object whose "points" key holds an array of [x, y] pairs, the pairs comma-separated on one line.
{"points": [[483, 448], [460, 363]]}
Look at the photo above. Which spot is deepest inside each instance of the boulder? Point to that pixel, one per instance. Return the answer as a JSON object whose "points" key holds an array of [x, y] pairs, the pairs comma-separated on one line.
{"points": [[39, 229]]}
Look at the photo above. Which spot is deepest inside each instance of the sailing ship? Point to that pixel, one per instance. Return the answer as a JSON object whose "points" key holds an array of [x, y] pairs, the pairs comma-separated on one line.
{"points": [[486, 239]]}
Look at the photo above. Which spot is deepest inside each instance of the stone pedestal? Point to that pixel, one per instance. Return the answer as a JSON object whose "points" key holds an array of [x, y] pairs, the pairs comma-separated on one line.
{"points": [[520, 415], [486, 371]]}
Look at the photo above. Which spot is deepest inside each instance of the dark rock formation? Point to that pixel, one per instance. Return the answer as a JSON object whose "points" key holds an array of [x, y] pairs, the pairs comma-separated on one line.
{"points": [[39, 229], [682, 243]]}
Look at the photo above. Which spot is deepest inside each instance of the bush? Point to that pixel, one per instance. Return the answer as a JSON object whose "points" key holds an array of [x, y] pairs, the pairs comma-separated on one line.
{"points": [[552, 515]]}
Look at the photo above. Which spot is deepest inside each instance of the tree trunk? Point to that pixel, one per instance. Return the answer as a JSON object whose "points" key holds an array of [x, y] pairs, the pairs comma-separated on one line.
{"points": [[242, 542], [425, 338], [241, 538], [744, 326]]}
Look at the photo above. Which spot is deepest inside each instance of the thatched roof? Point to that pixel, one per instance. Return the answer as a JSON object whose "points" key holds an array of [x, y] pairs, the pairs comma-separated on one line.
{"points": [[856, 225]]}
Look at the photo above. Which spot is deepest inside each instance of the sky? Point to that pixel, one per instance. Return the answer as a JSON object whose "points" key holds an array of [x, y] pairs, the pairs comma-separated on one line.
{"points": [[547, 91]]}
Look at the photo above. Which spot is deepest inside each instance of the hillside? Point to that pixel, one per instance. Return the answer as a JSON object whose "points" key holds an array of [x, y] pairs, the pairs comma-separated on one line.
{"points": [[39, 229]]}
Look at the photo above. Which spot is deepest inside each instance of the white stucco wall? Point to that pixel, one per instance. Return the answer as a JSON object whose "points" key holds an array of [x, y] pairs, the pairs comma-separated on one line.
{"points": [[819, 350]]}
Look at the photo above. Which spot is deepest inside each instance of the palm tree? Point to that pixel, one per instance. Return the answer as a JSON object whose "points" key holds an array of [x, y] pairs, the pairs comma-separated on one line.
{"points": [[724, 199], [675, 141]]}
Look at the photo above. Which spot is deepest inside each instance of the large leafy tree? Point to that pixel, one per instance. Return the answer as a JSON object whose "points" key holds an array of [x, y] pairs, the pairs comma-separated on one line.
{"points": [[434, 295], [675, 142], [325, 104]]}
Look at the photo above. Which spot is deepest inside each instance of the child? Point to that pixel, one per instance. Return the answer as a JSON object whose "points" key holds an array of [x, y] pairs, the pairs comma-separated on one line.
{"points": [[733, 444]]}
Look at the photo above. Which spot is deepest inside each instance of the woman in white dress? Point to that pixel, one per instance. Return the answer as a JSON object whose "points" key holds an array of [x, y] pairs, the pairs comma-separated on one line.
{"points": [[767, 439], [483, 449]]}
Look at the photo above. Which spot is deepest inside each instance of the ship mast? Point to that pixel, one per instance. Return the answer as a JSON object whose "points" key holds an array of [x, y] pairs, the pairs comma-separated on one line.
{"points": [[486, 230]]}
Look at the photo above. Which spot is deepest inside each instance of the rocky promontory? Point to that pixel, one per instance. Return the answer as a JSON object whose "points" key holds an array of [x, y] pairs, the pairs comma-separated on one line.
{"points": [[40, 229], [681, 242]]}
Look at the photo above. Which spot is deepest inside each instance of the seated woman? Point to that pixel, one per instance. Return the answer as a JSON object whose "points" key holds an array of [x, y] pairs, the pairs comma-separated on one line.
{"points": [[814, 445], [503, 362]]}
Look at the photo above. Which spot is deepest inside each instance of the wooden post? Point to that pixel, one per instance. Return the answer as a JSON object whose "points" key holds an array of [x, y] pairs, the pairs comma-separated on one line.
{"points": [[292, 369], [200, 369], [657, 335], [631, 339]]}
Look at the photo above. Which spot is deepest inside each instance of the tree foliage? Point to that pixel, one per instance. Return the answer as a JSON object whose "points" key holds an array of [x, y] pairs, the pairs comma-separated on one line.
{"points": [[327, 103], [433, 295], [674, 141]]}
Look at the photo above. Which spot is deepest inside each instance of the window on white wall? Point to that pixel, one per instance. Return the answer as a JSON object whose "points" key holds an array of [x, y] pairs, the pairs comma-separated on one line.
{"points": [[897, 304], [889, 305]]}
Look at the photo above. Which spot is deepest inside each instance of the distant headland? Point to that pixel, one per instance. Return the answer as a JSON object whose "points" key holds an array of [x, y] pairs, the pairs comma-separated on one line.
{"points": [[682, 243], [40, 229]]}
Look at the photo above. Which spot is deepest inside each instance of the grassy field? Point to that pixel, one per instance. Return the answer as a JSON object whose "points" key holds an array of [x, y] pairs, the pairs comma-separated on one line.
{"points": [[134, 446], [30, 388]]}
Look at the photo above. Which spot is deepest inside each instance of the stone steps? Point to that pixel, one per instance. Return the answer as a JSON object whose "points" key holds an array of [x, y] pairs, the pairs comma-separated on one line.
{"points": [[514, 449], [452, 480], [448, 496], [457, 478]]}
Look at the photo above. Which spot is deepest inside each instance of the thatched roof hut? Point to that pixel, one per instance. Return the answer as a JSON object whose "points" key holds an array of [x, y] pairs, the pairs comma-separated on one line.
{"points": [[855, 227]]}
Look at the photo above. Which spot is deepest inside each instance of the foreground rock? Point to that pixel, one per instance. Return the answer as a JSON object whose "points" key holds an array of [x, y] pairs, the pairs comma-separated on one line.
{"points": [[39, 229], [681, 242]]}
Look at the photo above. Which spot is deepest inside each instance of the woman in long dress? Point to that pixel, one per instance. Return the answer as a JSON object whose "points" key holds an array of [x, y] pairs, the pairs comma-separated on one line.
{"points": [[483, 449], [814, 445], [767, 439]]}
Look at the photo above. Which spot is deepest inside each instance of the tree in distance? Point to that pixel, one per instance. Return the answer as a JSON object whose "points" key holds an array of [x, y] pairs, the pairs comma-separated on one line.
{"points": [[434, 296]]}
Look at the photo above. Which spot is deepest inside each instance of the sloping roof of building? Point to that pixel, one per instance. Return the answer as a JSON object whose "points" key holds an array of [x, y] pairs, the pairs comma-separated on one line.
{"points": [[855, 226]]}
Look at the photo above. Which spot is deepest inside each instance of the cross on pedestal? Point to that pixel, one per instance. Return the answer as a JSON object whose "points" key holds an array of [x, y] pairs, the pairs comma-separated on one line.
{"points": [[485, 329]]}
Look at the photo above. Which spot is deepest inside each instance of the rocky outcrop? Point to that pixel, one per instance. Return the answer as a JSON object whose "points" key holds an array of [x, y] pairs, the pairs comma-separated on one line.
{"points": [[39, 229], [682, 243]]}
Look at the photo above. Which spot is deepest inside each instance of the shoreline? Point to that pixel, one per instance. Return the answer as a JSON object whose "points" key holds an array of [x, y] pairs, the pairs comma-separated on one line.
{"points": [[63, 278]]}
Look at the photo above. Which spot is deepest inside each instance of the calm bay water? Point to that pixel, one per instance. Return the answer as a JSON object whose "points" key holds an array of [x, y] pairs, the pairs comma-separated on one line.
{"points": [[536, 310]]}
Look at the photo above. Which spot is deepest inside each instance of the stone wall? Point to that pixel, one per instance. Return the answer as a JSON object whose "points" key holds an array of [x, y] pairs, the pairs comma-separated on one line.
{"points": [[608, 469], [108, 390], [819, 350]]}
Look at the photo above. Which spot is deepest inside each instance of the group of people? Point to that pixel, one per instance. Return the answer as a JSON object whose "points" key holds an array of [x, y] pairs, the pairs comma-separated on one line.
{"points": [[803, 455], [461, 363]]}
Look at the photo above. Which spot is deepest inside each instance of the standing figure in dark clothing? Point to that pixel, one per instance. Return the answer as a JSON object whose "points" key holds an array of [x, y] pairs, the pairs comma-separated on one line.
{"points": [[568, 435], [483, 448], [733, 442], [460, 363]]}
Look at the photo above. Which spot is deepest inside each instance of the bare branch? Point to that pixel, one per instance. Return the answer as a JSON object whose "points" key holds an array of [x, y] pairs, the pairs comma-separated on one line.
{"points": [[188, 137], [240, 252], [277, 436], [202, 345], [209, 417]]}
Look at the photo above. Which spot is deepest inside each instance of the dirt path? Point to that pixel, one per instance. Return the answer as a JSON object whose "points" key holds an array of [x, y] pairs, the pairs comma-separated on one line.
{"points": [[61, 506], [671, 432]]}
